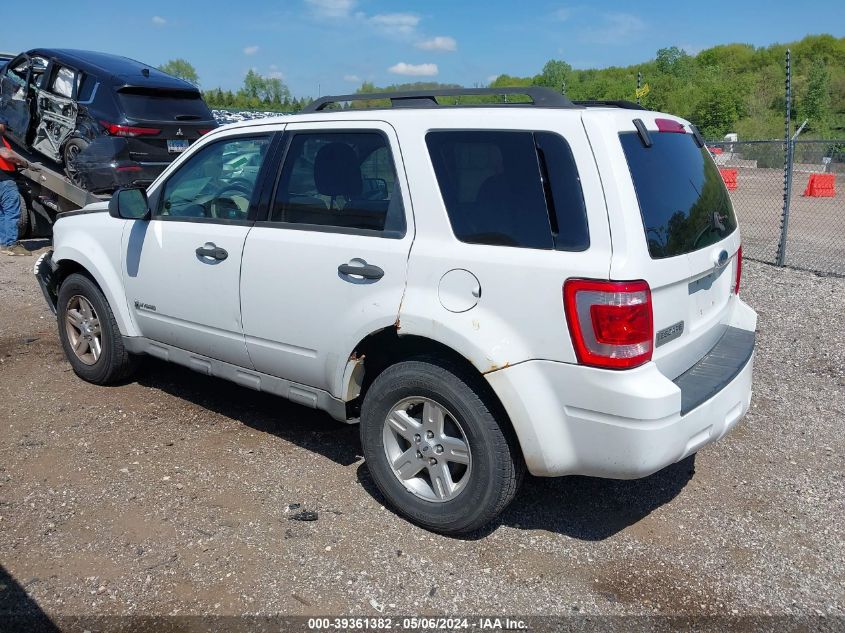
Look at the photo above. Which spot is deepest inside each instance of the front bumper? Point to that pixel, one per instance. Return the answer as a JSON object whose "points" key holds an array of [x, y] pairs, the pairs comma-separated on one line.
{"points": [[45, 270], [576, 420]]}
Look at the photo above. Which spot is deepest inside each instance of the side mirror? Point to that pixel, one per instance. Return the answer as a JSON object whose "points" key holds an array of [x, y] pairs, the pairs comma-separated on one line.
{"points": [[129, 204]]}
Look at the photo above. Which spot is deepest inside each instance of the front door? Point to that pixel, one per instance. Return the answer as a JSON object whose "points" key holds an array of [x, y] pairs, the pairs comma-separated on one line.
{"points": [[328, 266], [182, 268]]}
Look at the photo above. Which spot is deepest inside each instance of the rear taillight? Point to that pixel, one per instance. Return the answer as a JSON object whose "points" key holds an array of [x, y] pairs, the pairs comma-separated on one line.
{"points": [[610, 322], [125, 130], [738, 270], [202, 132]]}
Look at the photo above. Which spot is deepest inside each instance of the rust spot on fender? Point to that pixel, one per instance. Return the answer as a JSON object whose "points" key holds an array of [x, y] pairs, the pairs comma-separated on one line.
{"points": [[495, 367]]}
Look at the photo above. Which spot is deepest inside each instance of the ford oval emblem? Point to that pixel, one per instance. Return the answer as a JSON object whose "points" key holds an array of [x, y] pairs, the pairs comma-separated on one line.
{"points": [[722, 258]]}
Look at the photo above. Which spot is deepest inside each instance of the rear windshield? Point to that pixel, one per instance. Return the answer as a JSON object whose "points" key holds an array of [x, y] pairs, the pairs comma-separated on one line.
{"points": [[163, 106], [683, 201], [510, 188]]}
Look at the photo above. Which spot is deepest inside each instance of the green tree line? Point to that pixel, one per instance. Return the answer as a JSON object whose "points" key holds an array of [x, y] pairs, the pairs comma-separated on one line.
{"points": [[727, 88]]}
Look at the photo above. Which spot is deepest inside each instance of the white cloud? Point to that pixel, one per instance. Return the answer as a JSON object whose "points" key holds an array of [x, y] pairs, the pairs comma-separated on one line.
{"points": [[276, 74], [332, 8], [562, 15], [617, 28], [414, 70], [492, 78], [438, 43], [158, 20], [396, 23], [355, 79], [250, 50]]}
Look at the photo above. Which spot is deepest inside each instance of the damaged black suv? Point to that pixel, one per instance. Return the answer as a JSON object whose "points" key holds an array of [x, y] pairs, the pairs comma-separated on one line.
{"points": [[109, 121]]}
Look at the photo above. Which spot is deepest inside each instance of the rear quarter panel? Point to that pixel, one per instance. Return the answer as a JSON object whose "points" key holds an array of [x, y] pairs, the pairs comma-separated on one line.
{"points": [[519, 314]]}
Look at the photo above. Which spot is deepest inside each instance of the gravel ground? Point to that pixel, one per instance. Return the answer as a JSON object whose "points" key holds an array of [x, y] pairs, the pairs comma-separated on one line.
{"points": [[171, 494]]}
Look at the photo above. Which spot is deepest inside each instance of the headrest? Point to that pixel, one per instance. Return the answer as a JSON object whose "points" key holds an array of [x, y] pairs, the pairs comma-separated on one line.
{"points": [[336, 171]]}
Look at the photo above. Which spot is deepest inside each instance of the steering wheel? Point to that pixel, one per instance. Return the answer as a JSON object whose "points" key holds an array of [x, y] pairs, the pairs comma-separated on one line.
{"points": [[232, 202]]}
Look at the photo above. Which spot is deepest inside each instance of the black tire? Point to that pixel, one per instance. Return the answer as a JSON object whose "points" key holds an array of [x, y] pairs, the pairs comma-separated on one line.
{"points": [[497, 467], [25, 221], [71, 150], [114, 362]]}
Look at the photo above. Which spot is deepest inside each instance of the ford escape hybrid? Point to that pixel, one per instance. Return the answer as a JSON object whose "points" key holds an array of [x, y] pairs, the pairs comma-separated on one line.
{"points": [[545, 285]]}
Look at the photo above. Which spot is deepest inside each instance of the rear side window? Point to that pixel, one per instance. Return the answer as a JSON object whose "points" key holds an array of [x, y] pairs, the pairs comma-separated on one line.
{"points": [[683, 202], [144, 104], [343, 180], [510, 188], [64, 81]]}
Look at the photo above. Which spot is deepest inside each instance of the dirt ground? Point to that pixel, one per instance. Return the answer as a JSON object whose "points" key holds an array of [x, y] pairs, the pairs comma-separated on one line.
{"points": [[171, 494]]}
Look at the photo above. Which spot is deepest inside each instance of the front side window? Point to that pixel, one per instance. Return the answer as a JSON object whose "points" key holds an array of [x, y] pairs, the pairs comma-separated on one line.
{"points": [[218, 182], [510, 188], [344, 180]]}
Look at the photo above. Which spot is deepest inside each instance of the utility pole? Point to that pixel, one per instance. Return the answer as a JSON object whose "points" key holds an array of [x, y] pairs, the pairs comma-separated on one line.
{"points": [[787, 164], [639, 85]]}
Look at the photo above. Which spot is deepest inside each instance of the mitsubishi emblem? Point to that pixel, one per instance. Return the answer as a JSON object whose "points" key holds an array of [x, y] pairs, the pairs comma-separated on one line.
{"points": [[179, 132]]}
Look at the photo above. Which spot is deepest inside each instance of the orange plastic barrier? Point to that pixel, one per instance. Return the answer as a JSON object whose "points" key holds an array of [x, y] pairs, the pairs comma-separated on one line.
{"points": [[729, 176], [821, 186]]}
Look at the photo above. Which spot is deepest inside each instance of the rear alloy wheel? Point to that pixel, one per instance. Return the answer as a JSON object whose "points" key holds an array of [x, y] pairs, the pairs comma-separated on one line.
{"points": [[73, 148], [89, 334], [438, 447], [427, 449]]}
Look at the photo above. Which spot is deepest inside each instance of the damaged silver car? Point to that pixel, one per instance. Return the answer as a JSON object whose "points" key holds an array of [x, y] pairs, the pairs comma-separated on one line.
{"points": [[108, 120]]}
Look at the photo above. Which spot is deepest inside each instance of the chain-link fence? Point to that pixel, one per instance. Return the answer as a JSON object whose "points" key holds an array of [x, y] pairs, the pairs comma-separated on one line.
{"points": [[756, 174]]}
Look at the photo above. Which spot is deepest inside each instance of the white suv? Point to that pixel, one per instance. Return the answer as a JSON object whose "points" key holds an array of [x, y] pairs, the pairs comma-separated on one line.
{"points": [[543, 284]]}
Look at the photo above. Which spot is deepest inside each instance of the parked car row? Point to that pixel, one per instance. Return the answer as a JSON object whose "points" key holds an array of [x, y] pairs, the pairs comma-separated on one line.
{"points": [[108, 120]]}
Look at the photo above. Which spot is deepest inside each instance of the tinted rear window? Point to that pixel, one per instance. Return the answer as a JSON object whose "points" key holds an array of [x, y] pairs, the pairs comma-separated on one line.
{"points": [[683, 202], [510, 188], [163, 106]]}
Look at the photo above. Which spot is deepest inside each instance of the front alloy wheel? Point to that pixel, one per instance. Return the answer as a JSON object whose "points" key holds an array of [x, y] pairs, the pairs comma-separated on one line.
{"points": [[89, 334], [83, 329]]}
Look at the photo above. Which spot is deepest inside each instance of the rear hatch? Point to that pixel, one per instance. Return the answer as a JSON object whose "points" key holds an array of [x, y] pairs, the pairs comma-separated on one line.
{"points": [[167, 121], [672, 224]]}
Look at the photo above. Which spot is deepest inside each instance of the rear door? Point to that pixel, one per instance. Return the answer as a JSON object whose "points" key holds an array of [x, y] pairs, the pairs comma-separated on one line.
{"points": [[57, 110], [672, 224], [328, 266]]}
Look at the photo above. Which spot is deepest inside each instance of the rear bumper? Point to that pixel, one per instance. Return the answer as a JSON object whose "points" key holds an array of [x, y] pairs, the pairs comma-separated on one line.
{"points": [[575, 420], [108, 163]]}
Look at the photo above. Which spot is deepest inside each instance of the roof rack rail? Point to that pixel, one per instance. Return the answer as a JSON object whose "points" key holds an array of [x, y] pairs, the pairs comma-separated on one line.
{"points": [[626, 105], [540, 97]]}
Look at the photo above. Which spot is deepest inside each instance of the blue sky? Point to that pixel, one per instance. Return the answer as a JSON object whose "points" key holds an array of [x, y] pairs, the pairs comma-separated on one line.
{"points": [[332, 45]]}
